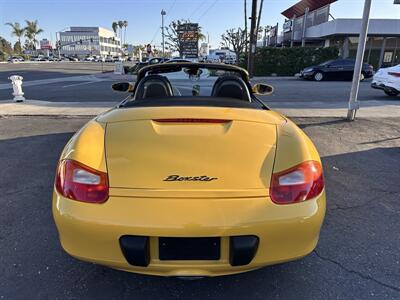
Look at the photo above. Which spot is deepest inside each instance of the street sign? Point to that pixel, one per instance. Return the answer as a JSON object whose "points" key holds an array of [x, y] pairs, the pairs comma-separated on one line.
{"points": [[188, 35]]}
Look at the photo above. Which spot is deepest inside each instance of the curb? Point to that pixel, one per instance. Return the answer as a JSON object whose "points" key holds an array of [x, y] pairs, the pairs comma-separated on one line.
{"points": [[369, 109]]}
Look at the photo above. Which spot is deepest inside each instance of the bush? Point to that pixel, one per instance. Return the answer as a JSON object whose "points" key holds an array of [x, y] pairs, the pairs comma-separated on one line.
{"points": [[289, 61]]}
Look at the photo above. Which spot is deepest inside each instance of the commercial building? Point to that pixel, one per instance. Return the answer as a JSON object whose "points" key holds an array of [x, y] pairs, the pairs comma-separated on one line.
{"points": [[84, 41], [310, 23]]}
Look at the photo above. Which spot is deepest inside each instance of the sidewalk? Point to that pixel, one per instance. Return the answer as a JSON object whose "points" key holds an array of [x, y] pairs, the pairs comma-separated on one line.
{"points": [[369, 109], [46, 108]]}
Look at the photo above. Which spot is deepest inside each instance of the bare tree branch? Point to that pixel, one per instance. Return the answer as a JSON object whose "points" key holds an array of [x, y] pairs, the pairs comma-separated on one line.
{"points": [[235, 39]]}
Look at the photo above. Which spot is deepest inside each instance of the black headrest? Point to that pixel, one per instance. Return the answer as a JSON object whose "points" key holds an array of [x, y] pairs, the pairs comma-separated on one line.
{"points": [[231, 87], [153, 86]]}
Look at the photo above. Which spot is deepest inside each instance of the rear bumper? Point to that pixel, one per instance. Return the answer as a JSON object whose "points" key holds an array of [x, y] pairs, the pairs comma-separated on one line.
{"points": [[374, 85], [91, 232], [386, 86]]}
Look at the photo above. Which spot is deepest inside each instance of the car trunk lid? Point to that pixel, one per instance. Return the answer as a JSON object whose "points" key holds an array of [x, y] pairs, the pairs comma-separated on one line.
{"points": [[185, 149]]}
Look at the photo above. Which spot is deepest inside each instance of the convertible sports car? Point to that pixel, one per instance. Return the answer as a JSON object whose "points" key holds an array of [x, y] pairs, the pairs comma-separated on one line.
{"points": [[192, 175]]}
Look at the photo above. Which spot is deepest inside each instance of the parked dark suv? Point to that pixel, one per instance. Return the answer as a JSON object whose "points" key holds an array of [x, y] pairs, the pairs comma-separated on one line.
{"points": [[339, 69]]}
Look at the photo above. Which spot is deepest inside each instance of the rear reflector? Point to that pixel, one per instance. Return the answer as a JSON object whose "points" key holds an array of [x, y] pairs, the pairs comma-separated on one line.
{"points": [[190, 120]]}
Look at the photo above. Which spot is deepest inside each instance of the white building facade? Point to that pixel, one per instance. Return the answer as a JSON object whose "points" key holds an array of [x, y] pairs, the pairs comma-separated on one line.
{"points": [[85, 41]]}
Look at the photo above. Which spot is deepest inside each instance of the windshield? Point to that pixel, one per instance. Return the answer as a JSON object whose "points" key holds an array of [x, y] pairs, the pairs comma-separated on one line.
{"points": [[326, 63], [193, 81]]}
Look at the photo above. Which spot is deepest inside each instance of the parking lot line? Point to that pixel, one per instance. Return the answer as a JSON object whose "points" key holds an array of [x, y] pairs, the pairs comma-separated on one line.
{"points": [[81, 83]]}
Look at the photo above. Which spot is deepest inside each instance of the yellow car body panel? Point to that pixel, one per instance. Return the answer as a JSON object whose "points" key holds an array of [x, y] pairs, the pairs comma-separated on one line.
{"points": [[139, 153], [87, 146], [91, 232]]}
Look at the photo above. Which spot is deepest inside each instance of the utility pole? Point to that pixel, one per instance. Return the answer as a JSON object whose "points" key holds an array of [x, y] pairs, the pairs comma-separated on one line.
{"points": [[253, 39], [163, 13], [245, 26], [353, 103]]}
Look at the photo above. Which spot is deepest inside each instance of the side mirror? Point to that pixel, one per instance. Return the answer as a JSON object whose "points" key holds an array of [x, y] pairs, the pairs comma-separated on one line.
{"points": [[122, 87], [262, 89]]}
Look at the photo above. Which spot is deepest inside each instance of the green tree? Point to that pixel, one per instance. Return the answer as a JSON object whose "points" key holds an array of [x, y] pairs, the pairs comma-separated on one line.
{"points": [[125, 24], [17, 47], [171, 35], [5, 48], [31, 31], [18, 31], [136, 49], [114, 27]]}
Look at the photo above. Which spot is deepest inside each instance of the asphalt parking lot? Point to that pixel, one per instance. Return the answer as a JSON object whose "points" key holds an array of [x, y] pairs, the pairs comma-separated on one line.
{"points": [[357, 257], [47, 70], [61, 81], [84, 82]]}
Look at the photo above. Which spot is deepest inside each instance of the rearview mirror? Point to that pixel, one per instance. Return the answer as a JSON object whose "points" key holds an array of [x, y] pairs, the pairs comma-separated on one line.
{"points": [[263, 89], [122, 87]]}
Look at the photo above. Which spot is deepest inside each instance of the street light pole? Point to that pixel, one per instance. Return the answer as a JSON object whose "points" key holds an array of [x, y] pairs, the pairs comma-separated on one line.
{"points": [[163, 13], [353, 103]]}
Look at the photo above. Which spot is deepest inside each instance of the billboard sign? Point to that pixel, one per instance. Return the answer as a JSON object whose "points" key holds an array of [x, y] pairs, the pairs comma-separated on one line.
{"points": [[45, 45], [188, 35], [287, 26]]}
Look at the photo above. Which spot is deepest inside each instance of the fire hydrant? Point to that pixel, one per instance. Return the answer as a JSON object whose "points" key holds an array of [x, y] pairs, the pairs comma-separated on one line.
{"points": [[18, 94]]}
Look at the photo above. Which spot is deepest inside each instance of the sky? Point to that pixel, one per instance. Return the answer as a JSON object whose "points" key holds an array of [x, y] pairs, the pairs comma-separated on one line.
{"points": [[143, 16]]}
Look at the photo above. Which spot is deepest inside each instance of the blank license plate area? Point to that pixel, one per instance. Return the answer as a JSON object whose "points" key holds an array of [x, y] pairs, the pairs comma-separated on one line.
{"points": [[189, 248]]}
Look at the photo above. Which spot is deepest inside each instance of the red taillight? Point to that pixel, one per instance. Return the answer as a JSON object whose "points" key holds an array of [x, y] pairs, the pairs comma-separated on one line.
{"points": [[395, 74], [191, 120], [297, 184], [82, 183]]}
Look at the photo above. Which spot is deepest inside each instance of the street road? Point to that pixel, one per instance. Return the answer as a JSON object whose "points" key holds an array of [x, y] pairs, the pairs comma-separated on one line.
{"points": [[45, 70], [357, 257], [83, 82]]}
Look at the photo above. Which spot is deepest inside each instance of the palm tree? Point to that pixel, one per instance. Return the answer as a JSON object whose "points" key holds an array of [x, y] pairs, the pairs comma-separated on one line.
{"points": [[31, 31], [125, 25], [114, 27], [17, 31], [120, 25]]}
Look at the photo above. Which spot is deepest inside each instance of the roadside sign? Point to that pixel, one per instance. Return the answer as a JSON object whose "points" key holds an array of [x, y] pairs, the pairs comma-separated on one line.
{"points": [[188, 35], [287, 26]]}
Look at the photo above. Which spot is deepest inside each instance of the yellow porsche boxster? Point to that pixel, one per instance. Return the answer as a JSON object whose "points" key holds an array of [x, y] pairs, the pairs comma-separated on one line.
{"points": [[191, 175]]}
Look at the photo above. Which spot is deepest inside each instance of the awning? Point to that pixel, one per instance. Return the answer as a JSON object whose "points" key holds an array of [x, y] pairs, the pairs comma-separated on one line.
{"points": [[299, 8]]}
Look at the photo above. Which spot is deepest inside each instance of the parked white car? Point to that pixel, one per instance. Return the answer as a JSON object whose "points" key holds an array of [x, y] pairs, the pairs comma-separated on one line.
{"points": [[90, 58], [15, 59], [118, 58], [388, 80]]}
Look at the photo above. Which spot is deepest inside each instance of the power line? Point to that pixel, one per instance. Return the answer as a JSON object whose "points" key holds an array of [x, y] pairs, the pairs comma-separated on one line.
{"points": [[207, 10], [196, 9], [170, 8], [155, 35], [158, 28]]}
